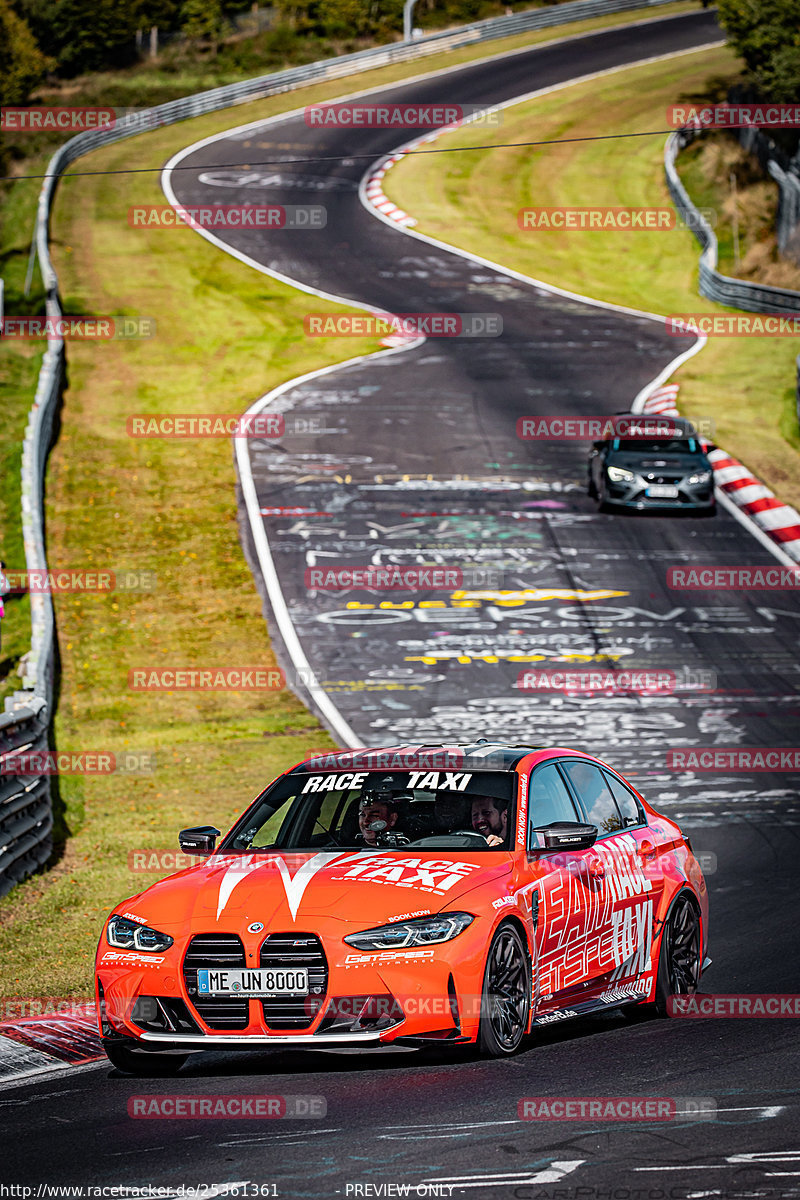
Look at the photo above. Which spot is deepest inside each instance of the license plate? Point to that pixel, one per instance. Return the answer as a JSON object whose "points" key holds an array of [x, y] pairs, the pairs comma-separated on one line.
{"points": [[664, 491], [260, 983]]}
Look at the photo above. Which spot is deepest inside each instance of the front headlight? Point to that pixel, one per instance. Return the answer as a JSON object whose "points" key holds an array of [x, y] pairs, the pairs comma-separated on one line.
{"points": [[620, 475], [127, 935], [699, 477], [424, 931]]}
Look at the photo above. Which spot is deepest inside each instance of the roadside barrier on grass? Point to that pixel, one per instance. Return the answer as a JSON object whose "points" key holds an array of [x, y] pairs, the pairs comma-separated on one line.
{"points": [[26, 818], [723, 289]]}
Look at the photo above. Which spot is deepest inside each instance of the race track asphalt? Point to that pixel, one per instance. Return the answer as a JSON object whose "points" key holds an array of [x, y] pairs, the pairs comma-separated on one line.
{"points": [[432, 431]]}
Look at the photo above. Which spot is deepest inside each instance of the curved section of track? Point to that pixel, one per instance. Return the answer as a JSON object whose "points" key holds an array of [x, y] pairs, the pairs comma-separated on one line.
{"points": [[419, 462]]}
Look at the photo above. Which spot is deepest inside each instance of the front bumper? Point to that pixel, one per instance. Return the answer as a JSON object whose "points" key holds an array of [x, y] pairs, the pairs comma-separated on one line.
{"points": [[233, 1041], [414, 996], [159, 1043], [635, 499]]}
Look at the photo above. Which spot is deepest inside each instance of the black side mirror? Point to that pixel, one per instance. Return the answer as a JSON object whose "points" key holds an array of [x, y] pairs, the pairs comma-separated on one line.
{"points": [[200, 839], [568, 835]]}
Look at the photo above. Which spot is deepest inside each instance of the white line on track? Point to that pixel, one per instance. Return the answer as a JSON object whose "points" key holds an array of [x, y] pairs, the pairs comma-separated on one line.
{"points": [[335, 720], [551, 1174], [57, 1071]]}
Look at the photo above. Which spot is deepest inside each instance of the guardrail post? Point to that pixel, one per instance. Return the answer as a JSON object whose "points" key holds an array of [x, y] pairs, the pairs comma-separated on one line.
{"points": [[408, 19]]}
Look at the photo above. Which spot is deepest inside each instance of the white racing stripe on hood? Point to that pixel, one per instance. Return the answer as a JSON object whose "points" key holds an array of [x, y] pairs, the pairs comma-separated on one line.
{"points": [[293, 885]]}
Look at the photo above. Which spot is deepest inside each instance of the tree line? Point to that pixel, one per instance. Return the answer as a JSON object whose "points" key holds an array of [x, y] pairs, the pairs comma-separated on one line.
{"points": [[42, 39]]}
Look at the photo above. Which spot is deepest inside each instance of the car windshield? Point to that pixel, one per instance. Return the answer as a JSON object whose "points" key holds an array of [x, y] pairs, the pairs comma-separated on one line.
{"points": [[658, 445], [403, 809]]}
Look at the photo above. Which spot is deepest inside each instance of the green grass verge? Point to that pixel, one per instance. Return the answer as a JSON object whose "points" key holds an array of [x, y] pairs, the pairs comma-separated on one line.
{"points": [[225, 334], [471, 199]]}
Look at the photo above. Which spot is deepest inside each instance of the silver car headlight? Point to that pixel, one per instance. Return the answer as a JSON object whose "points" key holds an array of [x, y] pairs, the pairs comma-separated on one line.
{"points": [[424, 931], [127, 935], [620, 475], [699, 477]]}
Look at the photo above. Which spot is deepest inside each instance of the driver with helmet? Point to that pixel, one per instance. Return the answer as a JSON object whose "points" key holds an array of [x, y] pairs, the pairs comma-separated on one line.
{"points": [[377, 816]]}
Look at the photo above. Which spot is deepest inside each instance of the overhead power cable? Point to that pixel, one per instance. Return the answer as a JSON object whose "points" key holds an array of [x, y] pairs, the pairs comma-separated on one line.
{"points": [[346, 155]]}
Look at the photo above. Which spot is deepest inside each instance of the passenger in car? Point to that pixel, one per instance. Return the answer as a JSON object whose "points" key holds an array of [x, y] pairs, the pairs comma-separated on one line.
{"points": [[490, 817]]}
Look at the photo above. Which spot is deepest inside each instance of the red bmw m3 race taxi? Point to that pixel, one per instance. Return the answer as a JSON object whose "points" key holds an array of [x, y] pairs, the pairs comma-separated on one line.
{"points": [[408, 895]]}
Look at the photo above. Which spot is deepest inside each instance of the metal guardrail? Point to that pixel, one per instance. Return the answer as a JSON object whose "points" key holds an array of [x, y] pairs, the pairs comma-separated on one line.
{"points": [[785, 170], [723, 289], [26, 811], [25, 806], [26, 816], [787, 225]]}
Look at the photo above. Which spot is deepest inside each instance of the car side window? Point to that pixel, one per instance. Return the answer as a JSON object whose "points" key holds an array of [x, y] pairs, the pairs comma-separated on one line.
{"points": [[549, 801], [627, 803], [590, 784]]}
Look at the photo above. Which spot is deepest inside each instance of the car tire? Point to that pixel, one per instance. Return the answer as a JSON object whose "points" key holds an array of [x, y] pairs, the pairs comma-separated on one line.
{"points": [[682, 923], [127, 1060], [506, 994], [680, 956]]}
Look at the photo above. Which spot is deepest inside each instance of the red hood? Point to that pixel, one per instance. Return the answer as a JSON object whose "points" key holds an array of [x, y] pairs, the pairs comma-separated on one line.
{"points": [[360, 888]]}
